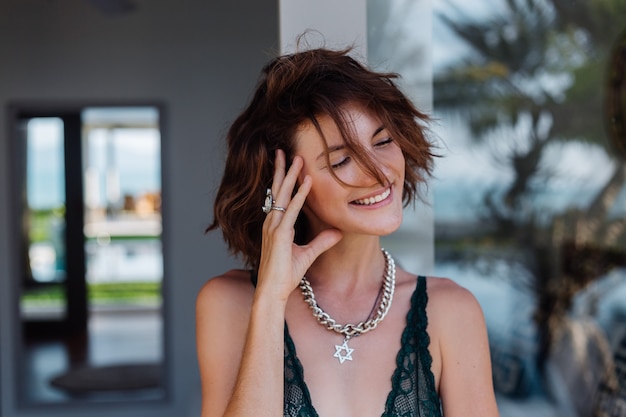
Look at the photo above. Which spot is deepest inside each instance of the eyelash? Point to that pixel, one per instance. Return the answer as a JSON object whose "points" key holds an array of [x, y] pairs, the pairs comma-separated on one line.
{"points": [[340, 163], [384, 142], [344, 161]]}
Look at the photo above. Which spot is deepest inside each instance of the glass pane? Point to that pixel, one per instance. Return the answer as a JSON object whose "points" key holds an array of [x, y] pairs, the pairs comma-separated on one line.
{"points": [[44, 220], [122, 180], [530, 196], [123, 208]]}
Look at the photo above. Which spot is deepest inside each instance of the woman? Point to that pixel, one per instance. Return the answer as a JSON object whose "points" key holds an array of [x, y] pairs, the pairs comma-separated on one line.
{"points": [[319, 166]]}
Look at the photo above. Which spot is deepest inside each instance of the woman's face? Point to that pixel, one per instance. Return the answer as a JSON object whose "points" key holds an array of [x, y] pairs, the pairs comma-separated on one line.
{"points": [[363, 206]]}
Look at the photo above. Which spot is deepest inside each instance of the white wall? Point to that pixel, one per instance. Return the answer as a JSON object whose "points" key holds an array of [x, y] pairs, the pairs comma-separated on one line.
{"points": [[199, 58]]}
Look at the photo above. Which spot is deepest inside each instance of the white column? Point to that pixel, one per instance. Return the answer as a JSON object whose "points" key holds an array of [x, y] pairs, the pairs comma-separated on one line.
{"points": [[339, 23]]}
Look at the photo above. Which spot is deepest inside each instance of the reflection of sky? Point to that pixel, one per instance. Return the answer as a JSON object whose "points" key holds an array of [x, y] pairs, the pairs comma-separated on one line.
{"points": [[45, 172], [446, 46], [501, 299], [466, 170], [136, 157], [574, 173]]}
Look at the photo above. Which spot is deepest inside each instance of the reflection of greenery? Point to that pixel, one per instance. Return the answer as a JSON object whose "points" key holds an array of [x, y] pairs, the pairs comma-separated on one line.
{"points": [[49, 294], [41, 223], [124, 292], [101, 293], [520, 59], [41, 226], [536, 78]]}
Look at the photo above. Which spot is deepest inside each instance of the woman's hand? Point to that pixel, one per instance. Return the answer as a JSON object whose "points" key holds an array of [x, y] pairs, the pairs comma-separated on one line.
{"points": [[283, 263]]}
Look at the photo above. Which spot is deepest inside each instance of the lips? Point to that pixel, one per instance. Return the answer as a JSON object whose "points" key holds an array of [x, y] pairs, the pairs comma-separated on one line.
{"points": [[373, 199]]}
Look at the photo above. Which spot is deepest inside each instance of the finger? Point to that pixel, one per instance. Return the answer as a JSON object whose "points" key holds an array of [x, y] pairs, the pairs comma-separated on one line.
{"points": [[325, 240], [320, 244], [282, 198], [283, 195], [279, 171], [297, 202]]}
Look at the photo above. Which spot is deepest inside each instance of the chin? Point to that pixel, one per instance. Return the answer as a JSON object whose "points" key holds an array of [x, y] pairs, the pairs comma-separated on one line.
{"points": [[391, 225], [390, 230]]}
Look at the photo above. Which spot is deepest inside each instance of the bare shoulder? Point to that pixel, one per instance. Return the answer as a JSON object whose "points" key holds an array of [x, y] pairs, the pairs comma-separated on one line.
{"points": [[461, 360], [448, 300], [231, 290], [228, 281], [223, 309]]}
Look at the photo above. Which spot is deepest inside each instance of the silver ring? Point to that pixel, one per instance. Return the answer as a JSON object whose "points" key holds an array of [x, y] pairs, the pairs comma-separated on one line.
{"points": [[268, 205]]}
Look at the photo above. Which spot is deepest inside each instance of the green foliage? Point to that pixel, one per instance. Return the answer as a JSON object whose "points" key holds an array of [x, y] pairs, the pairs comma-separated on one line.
{"points": [[100, 293]]}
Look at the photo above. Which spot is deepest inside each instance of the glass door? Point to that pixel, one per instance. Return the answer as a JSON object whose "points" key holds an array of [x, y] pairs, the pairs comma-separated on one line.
{"points": [[91, 254]]}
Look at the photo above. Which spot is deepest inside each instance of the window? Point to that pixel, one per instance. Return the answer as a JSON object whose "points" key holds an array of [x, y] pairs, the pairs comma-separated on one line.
{"points": [[89, 187], [531, 197]]}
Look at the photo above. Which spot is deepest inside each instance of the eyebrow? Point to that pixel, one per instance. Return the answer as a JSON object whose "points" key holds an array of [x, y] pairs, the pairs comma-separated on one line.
{"points": [[335, 148]]}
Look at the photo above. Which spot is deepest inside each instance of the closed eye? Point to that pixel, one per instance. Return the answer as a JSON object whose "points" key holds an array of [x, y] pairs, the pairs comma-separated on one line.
{"points": [[383, 142], [340, 163]]}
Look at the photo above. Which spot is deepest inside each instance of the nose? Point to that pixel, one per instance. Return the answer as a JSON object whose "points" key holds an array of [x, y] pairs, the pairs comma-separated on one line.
{"points": [[378, 174]]}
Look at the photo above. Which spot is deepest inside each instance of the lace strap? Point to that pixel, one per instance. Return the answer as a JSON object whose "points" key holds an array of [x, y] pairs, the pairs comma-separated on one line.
{"points": [[413, 386], [297, 399], [426, 361]]}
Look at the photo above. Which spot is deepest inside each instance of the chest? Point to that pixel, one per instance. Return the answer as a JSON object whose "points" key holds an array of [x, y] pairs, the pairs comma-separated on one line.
{"points": [[361, 384]]}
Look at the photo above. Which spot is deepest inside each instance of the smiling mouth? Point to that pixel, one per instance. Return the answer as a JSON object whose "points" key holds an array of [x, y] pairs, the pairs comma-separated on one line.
{"points": [[373, 200]]}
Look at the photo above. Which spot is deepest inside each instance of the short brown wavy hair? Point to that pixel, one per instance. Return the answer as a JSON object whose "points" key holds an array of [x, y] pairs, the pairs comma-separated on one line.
{"points": [[298, 88]]}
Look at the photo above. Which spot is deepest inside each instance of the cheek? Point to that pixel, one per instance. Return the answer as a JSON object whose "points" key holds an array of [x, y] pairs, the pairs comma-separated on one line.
{"points": [[399, 161], [324, 192], [313, 208], [394, 164], [398, 155], [315, 198]]}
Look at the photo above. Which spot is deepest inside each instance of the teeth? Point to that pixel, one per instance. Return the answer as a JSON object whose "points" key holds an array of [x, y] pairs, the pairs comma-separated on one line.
{"points": [[373, 200]]}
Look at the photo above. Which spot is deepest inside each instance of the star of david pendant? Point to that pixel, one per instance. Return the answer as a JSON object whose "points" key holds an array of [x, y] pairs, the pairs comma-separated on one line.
{"points": [[341, 348]]}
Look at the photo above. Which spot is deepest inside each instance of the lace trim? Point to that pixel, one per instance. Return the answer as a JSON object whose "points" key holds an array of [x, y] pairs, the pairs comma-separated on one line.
{"points": [[413, 384], [297, 399]]}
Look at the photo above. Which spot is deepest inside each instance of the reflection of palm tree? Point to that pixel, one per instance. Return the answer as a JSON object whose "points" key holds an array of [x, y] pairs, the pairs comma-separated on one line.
{"points": [[518, 57]]}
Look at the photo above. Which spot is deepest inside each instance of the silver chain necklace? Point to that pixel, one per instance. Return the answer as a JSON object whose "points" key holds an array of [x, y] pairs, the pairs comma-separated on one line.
{"points": [[353, 330]]}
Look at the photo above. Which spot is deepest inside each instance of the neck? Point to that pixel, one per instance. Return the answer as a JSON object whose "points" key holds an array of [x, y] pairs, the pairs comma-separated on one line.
{"points": [[354, 264], [376, 314]]}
